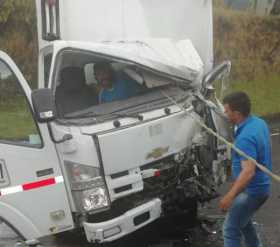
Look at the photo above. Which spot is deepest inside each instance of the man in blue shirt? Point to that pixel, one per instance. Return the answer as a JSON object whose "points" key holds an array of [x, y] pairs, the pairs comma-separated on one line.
{"points": [[114, 86], [251, 186]]}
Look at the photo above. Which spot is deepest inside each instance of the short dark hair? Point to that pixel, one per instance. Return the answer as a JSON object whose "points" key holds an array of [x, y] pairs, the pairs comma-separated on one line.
{"points": [[103, 66], [238, 101]]}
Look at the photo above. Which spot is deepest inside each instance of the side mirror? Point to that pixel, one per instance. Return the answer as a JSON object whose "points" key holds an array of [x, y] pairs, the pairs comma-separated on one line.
{"points": [[44, 105], [219, 72]]}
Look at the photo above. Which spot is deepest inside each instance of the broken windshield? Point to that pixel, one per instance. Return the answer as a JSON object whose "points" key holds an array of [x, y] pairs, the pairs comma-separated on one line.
{"points": [[87, 85]]}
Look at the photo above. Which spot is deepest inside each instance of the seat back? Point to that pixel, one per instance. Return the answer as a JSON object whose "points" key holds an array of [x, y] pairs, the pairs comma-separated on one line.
{"points": [[73, 94]]}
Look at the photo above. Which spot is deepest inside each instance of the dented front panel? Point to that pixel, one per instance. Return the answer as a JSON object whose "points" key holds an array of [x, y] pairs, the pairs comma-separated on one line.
{"points": [[135, 146], [124, 151]]}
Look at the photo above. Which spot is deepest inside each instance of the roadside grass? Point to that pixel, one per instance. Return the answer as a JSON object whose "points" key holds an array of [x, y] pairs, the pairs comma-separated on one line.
{"points": [[16, 122], [264, 94]]}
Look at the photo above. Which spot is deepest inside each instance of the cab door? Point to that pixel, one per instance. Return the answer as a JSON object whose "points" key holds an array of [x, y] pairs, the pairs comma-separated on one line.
{"points": [[33, 196]]}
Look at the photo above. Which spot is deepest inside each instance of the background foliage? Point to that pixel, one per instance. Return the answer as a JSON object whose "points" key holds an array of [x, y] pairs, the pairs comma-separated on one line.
{"points": [[18, 35], [252, 44]]}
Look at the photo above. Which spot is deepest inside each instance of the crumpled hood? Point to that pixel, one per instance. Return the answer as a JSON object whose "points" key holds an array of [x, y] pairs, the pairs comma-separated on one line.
{"points": [[178, 60]]}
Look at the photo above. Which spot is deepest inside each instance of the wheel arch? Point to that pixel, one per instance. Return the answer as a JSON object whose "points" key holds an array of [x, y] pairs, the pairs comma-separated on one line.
{"points": [[18, 222]]}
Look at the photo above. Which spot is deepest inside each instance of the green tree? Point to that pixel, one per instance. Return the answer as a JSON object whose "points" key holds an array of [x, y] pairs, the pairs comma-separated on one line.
{"points": [[6, 8], [18, 15], [276, 8], [19, 34], [219, 3], [254, 4]]}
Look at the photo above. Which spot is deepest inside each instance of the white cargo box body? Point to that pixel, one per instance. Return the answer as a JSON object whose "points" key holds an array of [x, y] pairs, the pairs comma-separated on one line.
{"points": [[137, 20]]}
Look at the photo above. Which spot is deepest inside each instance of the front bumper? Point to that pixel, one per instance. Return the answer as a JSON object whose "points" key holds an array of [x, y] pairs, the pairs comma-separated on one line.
{"points": [[128, 222]]}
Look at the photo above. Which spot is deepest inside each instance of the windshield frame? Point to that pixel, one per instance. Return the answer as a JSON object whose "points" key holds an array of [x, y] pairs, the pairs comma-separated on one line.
{"points": [[57, 66]]}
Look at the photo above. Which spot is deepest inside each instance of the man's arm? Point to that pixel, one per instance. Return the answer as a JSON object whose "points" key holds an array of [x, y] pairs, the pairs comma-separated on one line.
{"points": [[244, 178]]}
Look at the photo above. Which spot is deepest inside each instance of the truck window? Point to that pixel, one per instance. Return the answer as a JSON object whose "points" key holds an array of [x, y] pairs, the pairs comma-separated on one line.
{"points": [[17, 125], [47, 68]]}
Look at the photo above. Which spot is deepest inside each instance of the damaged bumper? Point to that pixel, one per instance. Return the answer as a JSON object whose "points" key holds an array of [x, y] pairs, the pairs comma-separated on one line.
{"points": [[120, 226]]}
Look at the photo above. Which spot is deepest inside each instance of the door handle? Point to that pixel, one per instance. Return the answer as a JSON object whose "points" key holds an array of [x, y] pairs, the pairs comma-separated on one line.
{"points": [[4, 177], [1, 172]]}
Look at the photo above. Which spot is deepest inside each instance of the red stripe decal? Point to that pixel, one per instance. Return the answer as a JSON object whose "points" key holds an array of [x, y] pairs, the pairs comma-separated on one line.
{"points": [[38, 184], [157, 173]]}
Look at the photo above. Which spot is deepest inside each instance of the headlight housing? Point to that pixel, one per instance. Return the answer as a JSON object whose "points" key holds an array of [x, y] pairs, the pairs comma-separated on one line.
{"points": [[88, 187], [95, 198]]}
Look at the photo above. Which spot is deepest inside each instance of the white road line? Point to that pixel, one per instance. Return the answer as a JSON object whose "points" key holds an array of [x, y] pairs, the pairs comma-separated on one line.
{"points": [[275, 134]]}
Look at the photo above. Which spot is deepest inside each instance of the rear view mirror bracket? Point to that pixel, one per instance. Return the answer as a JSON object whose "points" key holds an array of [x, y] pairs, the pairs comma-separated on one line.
{"points": [[219, 72], [65, 138], [44, 105], [45, 111]]}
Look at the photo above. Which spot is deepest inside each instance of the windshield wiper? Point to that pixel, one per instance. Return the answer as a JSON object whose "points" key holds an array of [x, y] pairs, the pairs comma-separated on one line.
{"points": [[118, 115], [128, 115], [83, 115]]}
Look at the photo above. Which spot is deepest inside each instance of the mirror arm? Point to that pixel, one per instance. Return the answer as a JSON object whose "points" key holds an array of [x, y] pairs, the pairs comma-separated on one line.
{"points": [[65, 138], [216, 71], [219, 72]]}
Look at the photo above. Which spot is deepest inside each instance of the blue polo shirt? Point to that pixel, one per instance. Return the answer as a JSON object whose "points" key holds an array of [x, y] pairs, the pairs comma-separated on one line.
{"points": [[123, 88], [253, 137]]}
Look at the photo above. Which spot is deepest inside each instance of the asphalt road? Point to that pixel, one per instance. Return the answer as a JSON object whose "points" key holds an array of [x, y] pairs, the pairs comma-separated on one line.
{"points": [[207, 233]]}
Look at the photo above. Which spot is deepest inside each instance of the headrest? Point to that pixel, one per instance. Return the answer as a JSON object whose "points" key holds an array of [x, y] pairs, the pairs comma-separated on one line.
{"points": [[72, 78]]}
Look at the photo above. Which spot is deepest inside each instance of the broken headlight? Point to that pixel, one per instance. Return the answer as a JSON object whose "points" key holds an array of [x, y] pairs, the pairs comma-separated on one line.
{"points": [[88, 187], [95, 198]]}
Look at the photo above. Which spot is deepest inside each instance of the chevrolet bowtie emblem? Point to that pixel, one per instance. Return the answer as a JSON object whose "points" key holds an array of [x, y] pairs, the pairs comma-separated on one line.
{"points": [[157, 153]]}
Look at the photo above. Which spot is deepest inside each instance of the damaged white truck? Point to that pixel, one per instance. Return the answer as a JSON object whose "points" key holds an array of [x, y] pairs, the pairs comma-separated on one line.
{"points": [[112, 168]]}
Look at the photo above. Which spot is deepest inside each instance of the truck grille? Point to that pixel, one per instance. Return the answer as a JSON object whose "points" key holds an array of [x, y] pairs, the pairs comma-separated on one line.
{"points": [[154, 187]]}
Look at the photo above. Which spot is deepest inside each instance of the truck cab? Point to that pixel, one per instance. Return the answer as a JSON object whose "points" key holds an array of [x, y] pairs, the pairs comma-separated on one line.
{"points": [[112, 167]]}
